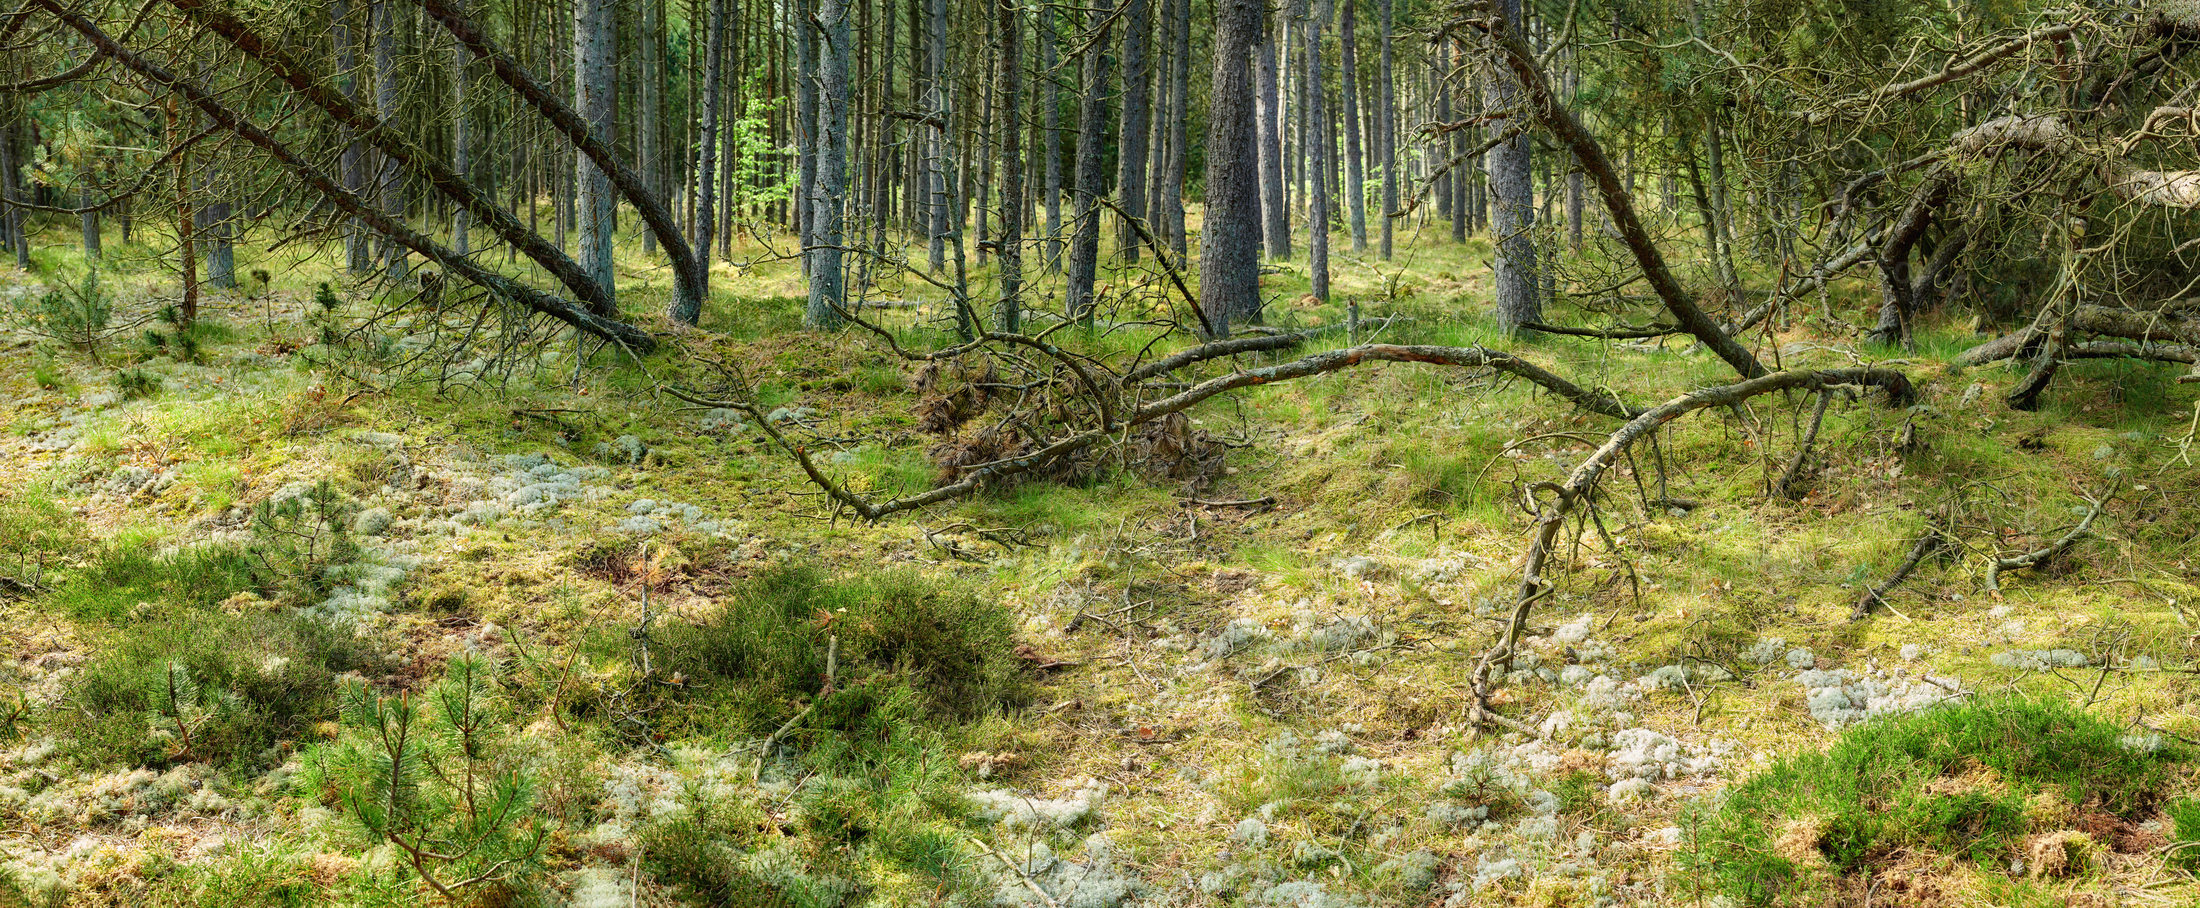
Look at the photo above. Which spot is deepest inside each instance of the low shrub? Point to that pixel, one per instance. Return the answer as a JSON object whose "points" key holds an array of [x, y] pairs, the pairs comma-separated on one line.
{"points": [[763, 658], [1970, 781], [226, 690]]}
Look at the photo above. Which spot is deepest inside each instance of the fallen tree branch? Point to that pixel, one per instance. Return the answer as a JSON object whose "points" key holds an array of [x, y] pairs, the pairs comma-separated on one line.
{"points": [[1934, 539], [2039, 556], [1555, 503]]}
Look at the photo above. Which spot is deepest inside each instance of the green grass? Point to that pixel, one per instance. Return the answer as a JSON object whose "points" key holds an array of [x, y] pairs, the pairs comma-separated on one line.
{"points": [[1955, 780]]}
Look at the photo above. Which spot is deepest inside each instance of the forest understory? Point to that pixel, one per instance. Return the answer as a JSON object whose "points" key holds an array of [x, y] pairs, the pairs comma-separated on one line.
{"points": [[1232, 665], [1324, 454]]}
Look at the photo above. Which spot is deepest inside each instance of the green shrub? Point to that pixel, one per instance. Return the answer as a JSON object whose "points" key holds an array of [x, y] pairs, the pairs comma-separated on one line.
{"points": [[135, 383], [1957, 779], [440, 782], [78, 316], [762, 659], [36, 535], [302, 545], [213, 688]]}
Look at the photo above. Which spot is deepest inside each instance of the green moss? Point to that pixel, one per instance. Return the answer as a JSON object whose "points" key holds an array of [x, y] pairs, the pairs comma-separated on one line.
{"points": [[1954, 780]]}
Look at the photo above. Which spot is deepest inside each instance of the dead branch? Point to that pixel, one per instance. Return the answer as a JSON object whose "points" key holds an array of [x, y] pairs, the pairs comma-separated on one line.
{"points": [[1555, 503], [2039, 556], [1934, 539]]}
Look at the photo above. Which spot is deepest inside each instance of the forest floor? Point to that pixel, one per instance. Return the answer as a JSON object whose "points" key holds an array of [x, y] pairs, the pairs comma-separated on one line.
{"points": [[1247, 684]]}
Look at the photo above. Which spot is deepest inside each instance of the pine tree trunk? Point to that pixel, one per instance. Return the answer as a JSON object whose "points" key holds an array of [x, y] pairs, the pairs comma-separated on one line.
{"points": [[88, 222], [827, 220], [1050, 100], [706, 151], [1084, 252], [358, 253], [1355, 162], [1130, 180], [390, 182], [649, 98], [1229, 247], [1317, 207], [938, 202], [1512, 191], [1275, 220], [461, 140], [594, 94], [1008, 31], [806, 124], [1386, 108], [1172, 183]]}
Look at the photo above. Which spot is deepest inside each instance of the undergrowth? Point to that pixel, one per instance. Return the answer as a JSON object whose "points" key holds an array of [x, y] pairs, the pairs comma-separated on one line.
{"points": [[1968, 781]]}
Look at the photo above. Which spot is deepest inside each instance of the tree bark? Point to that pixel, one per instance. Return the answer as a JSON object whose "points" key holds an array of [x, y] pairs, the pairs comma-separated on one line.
{"points": [[1008, 31], [461, 142], [595, 93], [828, 280], [704, 222], [1084, 252], [1050, 101], [1355, 161], [1229, 252], [358, 252], [389, 184], [1275, 220], [1317, 206], [1386, 110], [1130, 179], [1513, 196]]}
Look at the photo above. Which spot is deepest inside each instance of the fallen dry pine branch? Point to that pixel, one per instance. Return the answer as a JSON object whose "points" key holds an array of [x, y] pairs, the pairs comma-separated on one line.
{"points": [[1934, 539], [1117, 417], [1555, 503], [2039, 556]]}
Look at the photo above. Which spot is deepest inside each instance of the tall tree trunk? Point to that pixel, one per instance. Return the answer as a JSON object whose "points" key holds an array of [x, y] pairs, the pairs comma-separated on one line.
{"points": [[1440, 89], [461, 141], [1229, 246], [1512, 191], [1084, 252], [1008, 30], [706, 152], [1130, 180], [187, 254], [1317, 207], [1573, 171], [358, 251], [806, 123], [595, 94], [649, 101], [1275, 220], [390, 182], [1050, 101], [1172, 184], [828, 287], [939, 203], [1386, 108], [1355, 162]]}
